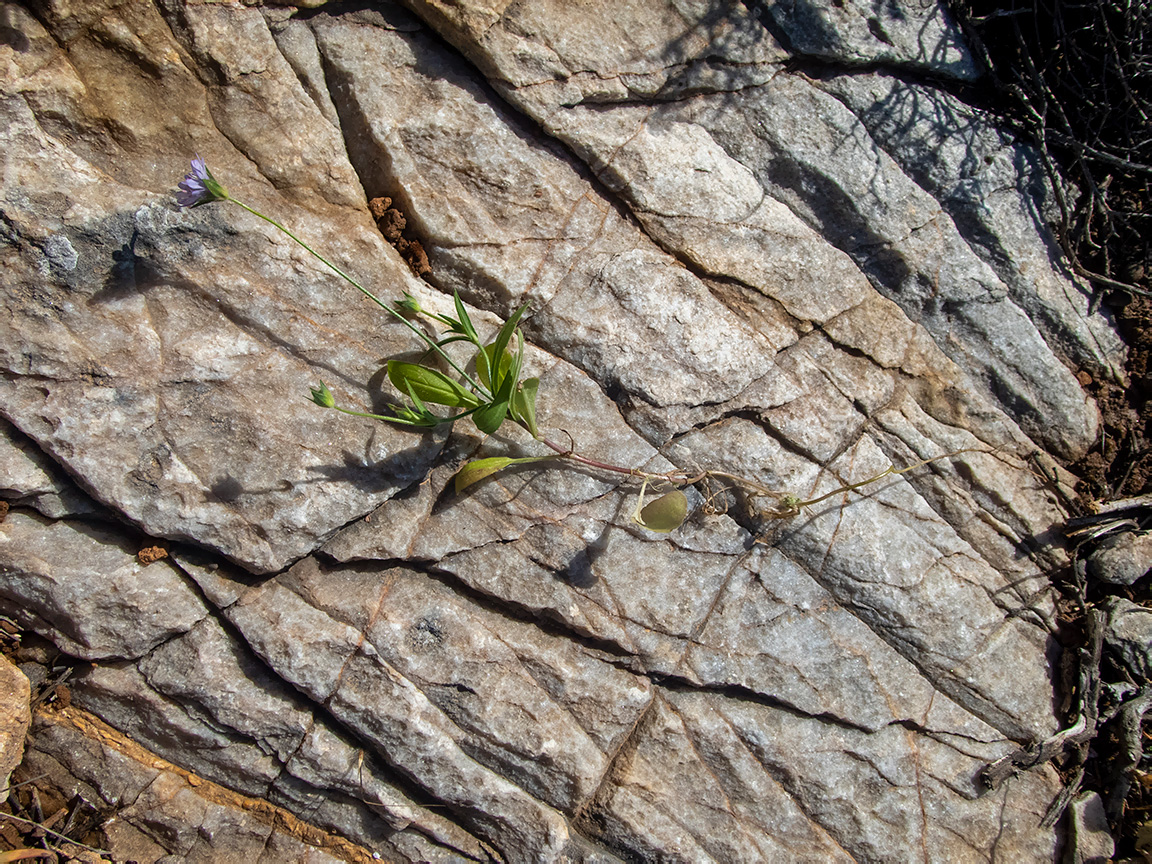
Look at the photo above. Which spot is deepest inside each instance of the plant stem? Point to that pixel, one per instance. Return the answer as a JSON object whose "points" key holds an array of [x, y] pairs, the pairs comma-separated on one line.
{"points": [[475, 385], [681, 478], [364, 414], [592, 463]]}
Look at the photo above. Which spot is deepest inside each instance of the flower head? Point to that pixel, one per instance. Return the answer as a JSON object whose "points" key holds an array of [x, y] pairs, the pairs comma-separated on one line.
{"points": [[323, 397], [409, 306], [199, 187]]}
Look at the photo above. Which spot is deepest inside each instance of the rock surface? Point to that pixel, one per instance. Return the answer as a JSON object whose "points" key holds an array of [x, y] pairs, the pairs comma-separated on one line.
{"points": [[15, 715], [798, 276], [162, 810], [1089, 831], [1129, 636], [1122, 559]]}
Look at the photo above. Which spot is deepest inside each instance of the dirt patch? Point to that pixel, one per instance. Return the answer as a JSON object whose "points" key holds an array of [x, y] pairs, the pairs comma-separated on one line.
{"points": [[393, 225], [1120, 465]]}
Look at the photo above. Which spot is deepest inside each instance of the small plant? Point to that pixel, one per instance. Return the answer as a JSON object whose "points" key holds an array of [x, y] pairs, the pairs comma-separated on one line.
{"points": [[497, 394]]}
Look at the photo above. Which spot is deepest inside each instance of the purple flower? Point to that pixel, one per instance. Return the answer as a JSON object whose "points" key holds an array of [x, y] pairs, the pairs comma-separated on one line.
{"points": [[199, 187]]}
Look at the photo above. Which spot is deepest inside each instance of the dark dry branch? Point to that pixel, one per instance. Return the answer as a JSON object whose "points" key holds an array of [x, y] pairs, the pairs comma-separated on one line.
{"points": [[38, 827], [1076, 78], [1131, 751], [1075, 738]]}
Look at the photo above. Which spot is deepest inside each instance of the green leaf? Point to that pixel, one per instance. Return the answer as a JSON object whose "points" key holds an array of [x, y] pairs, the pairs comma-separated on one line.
{"points": [[465, 322], [429, 385], [512, 375], [489, 417], [484, 364], [478, 469], [666, 513], [448, 340], [499, 346], [524, 404]]}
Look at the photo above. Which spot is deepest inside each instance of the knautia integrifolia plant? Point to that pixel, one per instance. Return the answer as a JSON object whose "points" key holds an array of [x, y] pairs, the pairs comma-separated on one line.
{"points": [[497, 394]]}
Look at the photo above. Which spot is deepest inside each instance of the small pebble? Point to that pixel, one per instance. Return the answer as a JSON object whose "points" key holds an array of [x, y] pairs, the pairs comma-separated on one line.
{"points": [[1129, 636], [1121, 559], [1089, 830]]}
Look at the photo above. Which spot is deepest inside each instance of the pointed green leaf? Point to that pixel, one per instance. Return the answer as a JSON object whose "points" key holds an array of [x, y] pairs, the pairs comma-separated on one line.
{"points": [[512, 374], [484, 364], [448, 340], [524, 404], [421, 408], [478, 469], [465, 321], [489, 417], [666, 513], [429, 385], [500, 345]]}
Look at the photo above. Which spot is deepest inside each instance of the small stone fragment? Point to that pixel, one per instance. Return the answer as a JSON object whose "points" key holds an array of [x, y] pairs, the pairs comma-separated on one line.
{"points": [[1121, 559], [417, 258], [1092, 842], [379, 206], [391, 223], [15, 715], [1129, 635]]}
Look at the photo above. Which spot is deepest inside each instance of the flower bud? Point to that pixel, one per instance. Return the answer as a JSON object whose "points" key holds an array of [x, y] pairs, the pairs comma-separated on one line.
{"points": [[409, 306], [323, 397]]}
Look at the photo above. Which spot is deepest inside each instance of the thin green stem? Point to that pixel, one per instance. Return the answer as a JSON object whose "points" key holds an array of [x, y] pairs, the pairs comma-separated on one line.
{"points": [[385, 417], [475, 385], [365, 414]]}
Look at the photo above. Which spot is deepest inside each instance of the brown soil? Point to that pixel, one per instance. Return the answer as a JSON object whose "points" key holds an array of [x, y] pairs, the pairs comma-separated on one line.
{"points": [[393, 225], [1120, 465]]}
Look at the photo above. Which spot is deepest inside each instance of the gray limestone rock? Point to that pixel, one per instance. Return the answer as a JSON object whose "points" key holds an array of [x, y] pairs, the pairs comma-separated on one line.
{"points": [[33, 480], [1129, 636], [914, 36], [799, 279], [995, 190], [1093, 843], [159, 810], [81, 585], [1122, 559]]}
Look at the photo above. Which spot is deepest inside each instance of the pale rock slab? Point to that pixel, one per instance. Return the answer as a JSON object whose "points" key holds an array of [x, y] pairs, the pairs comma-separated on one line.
{"points": [[81, 585], [810, 154], [161, 811], [807, 153], [996, 191], [32, 479], [726, 264], [237, 724], [119, 317], [469, 714], [15, 715]]}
